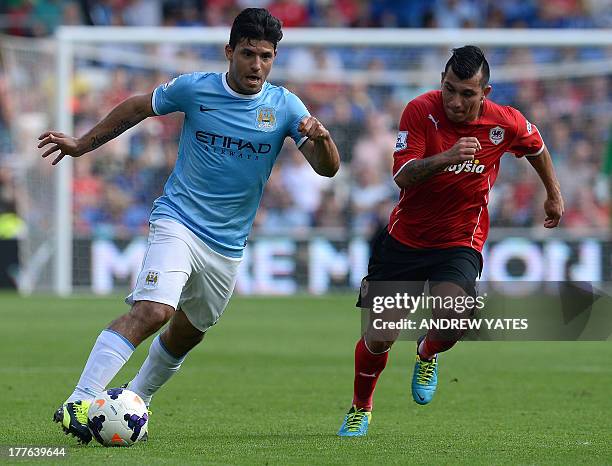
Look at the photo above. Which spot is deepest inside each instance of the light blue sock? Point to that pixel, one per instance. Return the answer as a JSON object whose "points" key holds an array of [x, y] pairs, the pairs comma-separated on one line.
{"points": [[110, 352], [159, 366]]}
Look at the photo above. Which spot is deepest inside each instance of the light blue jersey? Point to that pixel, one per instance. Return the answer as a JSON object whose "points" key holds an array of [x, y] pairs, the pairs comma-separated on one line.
{"points": [[229, 143]]}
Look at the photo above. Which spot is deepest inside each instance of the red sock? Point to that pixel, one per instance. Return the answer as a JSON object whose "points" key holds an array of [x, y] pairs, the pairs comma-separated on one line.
{"points": [[432, 346], [368, 367]]}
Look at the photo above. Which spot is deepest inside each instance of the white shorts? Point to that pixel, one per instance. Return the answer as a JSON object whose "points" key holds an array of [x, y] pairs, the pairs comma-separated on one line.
{"points": [[180, 270]]}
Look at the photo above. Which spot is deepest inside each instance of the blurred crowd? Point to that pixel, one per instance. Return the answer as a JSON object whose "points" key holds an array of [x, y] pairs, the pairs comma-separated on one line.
{"points": [[40, 17], [115, 186]]}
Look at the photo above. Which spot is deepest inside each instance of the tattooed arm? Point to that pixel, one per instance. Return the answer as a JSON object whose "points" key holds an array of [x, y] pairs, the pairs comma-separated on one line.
{"points": [[418, 170], [554, 205], [128, 113]]}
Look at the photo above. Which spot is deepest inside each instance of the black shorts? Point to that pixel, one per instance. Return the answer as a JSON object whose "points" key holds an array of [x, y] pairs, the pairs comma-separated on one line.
{"points": [[391, 260]]}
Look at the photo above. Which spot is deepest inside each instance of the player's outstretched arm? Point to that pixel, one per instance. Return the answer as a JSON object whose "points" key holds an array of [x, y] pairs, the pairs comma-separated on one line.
{"points": [[320, 149], [553, 206], [418, 170], [128, 113]]}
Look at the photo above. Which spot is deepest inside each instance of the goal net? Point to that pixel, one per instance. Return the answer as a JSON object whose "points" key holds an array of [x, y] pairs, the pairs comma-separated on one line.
{"points": [[28, 68], [87, 219]]}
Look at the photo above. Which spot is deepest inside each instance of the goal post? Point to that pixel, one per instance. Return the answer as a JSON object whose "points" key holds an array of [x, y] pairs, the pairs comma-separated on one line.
{"points": [[369, 37], [63, 202], [128, 47]]}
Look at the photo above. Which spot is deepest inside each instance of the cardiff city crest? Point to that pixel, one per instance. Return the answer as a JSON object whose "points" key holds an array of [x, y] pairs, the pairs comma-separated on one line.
{"points": [[496, 135]]}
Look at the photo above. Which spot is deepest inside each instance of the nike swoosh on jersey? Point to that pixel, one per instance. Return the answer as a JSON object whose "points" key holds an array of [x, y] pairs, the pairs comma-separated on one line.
{"points": [[206, 109]]}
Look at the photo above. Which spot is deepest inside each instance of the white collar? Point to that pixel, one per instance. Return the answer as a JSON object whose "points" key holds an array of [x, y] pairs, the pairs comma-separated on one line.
{"points": [[236, 94]]}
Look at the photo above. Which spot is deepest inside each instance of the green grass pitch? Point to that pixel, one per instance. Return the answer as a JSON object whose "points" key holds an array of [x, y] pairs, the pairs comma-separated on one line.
{"points": [[271, 383]]}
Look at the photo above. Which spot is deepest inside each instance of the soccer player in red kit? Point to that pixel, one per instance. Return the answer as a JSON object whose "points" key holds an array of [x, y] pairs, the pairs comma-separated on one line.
{"points": [[446, 160]]}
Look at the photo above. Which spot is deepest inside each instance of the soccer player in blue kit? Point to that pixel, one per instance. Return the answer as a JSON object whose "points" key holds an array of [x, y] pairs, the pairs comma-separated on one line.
{"points": [[235, 124]]}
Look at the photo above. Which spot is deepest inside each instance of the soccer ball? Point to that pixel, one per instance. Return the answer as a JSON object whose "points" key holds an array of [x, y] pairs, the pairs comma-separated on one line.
{"points": [[118, 418]]}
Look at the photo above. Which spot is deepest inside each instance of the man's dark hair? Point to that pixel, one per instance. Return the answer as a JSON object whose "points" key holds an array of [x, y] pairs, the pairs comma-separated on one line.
{"points": [[256, 24], [467, 61]]}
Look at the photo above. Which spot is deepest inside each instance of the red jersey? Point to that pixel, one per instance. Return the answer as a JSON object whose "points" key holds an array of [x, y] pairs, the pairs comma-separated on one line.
{"points": [[450, 208]]}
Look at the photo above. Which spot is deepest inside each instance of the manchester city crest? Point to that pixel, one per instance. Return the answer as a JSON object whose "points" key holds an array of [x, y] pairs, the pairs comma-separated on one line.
{"points": [[151, 279], [266, 119]]}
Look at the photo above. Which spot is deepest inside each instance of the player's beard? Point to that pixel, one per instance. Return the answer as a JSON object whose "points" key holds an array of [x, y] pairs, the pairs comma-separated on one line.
{"points": [[240, 83], [253, 86], [468, 114]]}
